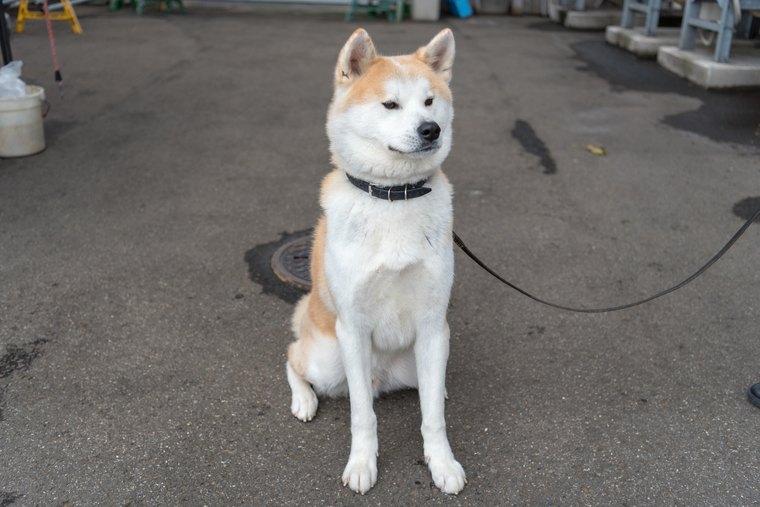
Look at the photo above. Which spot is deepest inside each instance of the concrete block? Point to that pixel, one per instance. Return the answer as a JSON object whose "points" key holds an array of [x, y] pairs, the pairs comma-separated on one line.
{"points": [[698, 66], [597, 19], [637, 42], [612, 34], [592, 20]]}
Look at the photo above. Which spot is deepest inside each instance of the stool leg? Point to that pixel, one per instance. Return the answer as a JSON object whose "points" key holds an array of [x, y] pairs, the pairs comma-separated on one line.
{"points": [[68, 9], [725, 32], [653, 17], [23, 12], [626, 21], [688, 38]]}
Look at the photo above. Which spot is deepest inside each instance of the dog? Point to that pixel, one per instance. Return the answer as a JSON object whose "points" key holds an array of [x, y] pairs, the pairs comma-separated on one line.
{"points": [[382, 262]]}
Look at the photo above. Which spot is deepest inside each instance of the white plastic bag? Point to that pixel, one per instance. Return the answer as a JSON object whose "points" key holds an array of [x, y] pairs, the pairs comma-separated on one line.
{"points": [[10, 83]]}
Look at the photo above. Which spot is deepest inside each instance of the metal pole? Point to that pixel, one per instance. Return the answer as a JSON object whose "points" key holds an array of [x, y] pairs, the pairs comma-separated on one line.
{"points": [[5, 41], [59, 6]]}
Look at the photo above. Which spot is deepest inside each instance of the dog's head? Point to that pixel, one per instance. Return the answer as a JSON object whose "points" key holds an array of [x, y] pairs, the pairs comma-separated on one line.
{"points": [[390, 118]]}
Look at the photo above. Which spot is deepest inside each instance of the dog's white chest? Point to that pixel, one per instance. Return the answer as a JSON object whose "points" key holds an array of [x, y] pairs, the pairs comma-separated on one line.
{"points": [[390, 262], [391, 292]]}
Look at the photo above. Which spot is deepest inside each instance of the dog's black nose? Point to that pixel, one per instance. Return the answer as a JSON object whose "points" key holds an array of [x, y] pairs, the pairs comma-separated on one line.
{"points": [[429, 131]]}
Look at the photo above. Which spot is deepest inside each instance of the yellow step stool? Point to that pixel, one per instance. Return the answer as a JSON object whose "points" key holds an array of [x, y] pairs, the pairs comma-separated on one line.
{"points": [[68, 14]]}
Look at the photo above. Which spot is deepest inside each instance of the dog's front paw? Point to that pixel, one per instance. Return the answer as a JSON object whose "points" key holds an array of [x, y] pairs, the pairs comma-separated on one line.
{"points": [[361, 472], [304, 404], [448, 475]]}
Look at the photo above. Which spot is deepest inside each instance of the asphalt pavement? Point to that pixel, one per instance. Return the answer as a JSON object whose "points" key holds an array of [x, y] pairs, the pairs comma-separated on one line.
{"points": [[143, 336]]}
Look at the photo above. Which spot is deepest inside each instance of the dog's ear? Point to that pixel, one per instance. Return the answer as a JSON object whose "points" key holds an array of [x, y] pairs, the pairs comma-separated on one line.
{"points": [[354, 58], [439, 54]]}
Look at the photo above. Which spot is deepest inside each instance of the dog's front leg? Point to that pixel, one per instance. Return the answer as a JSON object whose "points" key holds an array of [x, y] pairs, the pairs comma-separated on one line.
{"points": [[355, 343], [431, 352]]}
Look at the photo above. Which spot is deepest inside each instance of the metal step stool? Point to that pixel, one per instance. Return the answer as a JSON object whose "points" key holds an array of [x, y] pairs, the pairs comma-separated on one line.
{"points": [[650, 9], [393, 9], [723, 27]]}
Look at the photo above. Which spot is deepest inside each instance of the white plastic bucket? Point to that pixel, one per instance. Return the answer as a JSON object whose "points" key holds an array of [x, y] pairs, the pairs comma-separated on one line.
{"points": [[21, 130]]}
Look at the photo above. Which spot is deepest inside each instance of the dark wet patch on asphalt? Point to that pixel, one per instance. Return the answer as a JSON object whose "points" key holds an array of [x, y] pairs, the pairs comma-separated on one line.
{"points": [[523, 132], [259, 260], [18, 358], [547, 26], [726, 117], [7, 498], [745, 208]]}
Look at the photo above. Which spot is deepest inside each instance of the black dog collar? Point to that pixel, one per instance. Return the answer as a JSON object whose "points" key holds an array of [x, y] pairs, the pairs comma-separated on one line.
{"points": [[396, 193]]}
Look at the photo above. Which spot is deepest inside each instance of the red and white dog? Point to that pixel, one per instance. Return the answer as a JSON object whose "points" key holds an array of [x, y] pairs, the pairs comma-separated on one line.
{"points": [[382, 261]]}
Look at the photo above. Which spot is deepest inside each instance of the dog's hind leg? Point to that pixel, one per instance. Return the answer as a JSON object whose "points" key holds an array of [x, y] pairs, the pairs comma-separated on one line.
{"points": [[304, 400], [314, 362]]}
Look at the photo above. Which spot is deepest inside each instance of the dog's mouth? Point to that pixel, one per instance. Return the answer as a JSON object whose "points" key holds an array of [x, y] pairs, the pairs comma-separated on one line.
{"points": [[424, 149]]}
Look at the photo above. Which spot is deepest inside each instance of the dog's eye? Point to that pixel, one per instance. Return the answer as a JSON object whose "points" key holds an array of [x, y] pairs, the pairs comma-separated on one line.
{"points": [[429, 101], [390, 105]]}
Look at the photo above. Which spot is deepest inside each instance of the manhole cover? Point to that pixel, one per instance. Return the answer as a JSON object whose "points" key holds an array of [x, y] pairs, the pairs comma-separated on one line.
{"points": [[291, 262]]}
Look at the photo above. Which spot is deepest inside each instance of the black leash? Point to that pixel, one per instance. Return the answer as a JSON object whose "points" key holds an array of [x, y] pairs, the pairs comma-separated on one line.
{"points": [[698, 273]]}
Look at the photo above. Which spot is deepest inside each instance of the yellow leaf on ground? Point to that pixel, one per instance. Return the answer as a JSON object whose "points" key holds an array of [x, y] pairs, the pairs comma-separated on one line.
{"points": [[596, 150]]}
